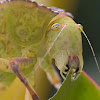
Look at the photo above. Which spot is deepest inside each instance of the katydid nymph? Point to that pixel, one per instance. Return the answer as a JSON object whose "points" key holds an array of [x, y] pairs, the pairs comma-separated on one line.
{"points": [[33, 35]]}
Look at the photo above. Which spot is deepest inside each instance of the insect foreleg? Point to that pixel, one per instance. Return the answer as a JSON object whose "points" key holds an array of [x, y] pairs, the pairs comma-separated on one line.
{"points": [[14, 66]]}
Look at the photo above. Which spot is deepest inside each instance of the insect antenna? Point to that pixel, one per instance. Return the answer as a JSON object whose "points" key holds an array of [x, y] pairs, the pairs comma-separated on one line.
{"points": [[50, 47], [90, 47]]}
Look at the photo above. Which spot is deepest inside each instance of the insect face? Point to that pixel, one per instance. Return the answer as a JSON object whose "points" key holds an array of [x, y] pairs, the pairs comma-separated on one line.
{"points": [[67, 50]]}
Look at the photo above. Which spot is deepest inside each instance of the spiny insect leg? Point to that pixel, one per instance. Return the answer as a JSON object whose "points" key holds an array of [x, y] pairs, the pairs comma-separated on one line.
{"points": [[13, 65]]}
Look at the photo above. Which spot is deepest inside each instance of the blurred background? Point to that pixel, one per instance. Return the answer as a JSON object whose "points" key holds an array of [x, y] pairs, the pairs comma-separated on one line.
{"points": [[86, 13]]}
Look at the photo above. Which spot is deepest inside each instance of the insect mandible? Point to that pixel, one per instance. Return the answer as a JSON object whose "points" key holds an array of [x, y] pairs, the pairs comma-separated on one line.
{"points": [[33, 35]]}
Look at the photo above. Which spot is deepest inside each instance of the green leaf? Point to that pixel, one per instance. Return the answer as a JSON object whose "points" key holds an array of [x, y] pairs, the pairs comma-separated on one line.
{"points": [[83, 88]]}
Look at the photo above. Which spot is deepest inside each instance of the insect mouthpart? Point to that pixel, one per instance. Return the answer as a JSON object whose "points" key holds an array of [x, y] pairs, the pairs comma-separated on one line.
{"points": [[67, 68], [73, 63], [65, 71]]}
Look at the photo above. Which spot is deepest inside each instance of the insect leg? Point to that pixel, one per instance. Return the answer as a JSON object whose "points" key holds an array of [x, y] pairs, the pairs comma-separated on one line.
{"points": [[52, 74], [14, 66]]}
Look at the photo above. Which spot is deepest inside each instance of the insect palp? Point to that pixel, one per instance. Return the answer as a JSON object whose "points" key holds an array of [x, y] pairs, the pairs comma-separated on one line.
{"points": [[67, 68], [61, 73], [90, 46], [64, 72]]}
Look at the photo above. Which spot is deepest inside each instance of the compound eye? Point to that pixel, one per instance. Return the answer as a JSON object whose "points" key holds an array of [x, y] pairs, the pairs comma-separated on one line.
{"points": [[55, 26]]}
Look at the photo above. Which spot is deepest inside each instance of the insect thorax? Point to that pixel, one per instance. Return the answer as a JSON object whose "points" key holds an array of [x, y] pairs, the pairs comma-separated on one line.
{"points": [[22, 27]]}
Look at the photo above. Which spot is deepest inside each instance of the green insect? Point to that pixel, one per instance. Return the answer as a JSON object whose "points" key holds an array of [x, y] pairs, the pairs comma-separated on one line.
{"points": [[32, 36]]}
